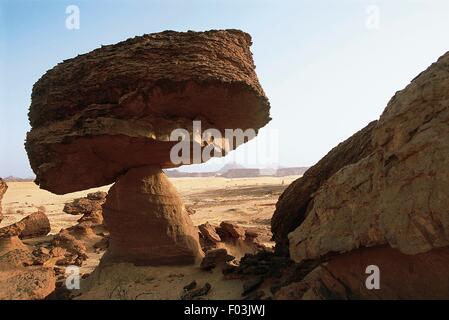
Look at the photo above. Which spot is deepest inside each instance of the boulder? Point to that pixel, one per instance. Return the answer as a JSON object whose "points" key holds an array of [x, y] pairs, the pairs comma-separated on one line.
{"points": [[230, 231], [97, 196], [83, 206], [397, 195], [34, 225], [215, 257], [294, 203], [209, 233]]}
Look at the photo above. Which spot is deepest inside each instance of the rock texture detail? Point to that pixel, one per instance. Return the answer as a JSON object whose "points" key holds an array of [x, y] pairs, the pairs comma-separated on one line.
{"points": [[108, 115], [147, 221], [114, 108], [398, 194], [420, 276], [294, 204]]}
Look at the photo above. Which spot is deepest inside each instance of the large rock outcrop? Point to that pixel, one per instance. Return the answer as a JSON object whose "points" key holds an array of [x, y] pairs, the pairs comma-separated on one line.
{"points": [[3, 188], [293, 204], [397, 195], [114, 108], [388, 208], [108, 115]]}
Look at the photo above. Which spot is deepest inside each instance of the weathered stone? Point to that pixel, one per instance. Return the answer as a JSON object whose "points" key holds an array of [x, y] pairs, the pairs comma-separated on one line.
{"points": [[97, 196], [82, 206], [196, 293], [145, 217], [398, 194], [209, 233], [229, 230], [215, 257], [34, 225], [294, 203], [99, 114]]}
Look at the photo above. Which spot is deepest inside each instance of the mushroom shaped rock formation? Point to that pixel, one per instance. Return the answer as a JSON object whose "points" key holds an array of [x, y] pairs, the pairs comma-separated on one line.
{"points": [[97, 115], [107, 116], [148, 222]]}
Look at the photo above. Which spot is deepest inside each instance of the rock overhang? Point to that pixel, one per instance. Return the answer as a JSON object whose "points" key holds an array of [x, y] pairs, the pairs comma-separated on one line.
{"points": [[95, 116]]}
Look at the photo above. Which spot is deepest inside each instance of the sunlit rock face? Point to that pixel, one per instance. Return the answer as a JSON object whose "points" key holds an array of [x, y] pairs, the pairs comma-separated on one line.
{"points": [[398, 194], [377, 200]]}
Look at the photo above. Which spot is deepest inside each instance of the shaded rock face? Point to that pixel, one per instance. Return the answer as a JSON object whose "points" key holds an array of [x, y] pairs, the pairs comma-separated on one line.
{"points": [[397, 195], [101, 113], [148, 225], [420, 276], [295, 202], [3, 188]]}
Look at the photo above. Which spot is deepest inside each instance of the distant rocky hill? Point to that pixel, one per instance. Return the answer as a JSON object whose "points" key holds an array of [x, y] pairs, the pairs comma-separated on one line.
{"points": [[234, 170], [241, 173], [17, 179]]}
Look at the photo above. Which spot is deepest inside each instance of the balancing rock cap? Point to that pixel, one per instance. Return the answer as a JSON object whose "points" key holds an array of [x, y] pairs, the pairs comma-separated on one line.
{"points": [[95, 116]]}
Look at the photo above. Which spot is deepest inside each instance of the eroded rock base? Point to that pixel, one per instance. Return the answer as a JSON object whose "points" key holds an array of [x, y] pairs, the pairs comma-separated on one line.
{"points": [[147, 221]]}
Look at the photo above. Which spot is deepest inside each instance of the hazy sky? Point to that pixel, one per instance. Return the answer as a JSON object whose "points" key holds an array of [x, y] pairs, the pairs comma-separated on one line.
{"points": [[328, 67]]}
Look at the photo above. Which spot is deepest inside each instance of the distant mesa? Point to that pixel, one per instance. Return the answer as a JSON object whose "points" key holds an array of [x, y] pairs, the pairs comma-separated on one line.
{"points": [[238, 171], [18, 179]]}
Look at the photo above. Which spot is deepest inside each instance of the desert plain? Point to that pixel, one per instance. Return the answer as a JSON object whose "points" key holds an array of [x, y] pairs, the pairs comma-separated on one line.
{"points": [[247, 202]]}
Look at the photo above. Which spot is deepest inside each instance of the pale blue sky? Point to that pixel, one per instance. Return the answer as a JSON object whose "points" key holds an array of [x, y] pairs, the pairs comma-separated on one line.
{"points": [[326, 74]]}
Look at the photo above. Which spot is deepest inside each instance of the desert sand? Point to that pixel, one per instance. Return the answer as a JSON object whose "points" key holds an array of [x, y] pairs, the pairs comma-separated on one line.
{"points": [[248, 202]]}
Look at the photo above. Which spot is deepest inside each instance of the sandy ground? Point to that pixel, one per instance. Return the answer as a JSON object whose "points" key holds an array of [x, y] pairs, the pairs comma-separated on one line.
{"points": [[247, 201]]}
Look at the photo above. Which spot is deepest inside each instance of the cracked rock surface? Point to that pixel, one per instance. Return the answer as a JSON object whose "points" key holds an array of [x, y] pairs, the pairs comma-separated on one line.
{"points": [[101, 113], [396, 195]]}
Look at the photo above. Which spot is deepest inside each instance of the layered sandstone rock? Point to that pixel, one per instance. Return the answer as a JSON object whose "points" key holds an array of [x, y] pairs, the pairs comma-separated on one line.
{"points": [[147, 222], [293, 204], [3, 188], [387, 208], [397, 195], [114, 108], [107, 116]]}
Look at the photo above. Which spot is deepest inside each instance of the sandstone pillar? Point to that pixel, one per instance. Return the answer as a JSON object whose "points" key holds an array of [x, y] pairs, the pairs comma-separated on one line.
{"points": [[148, 222]]}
